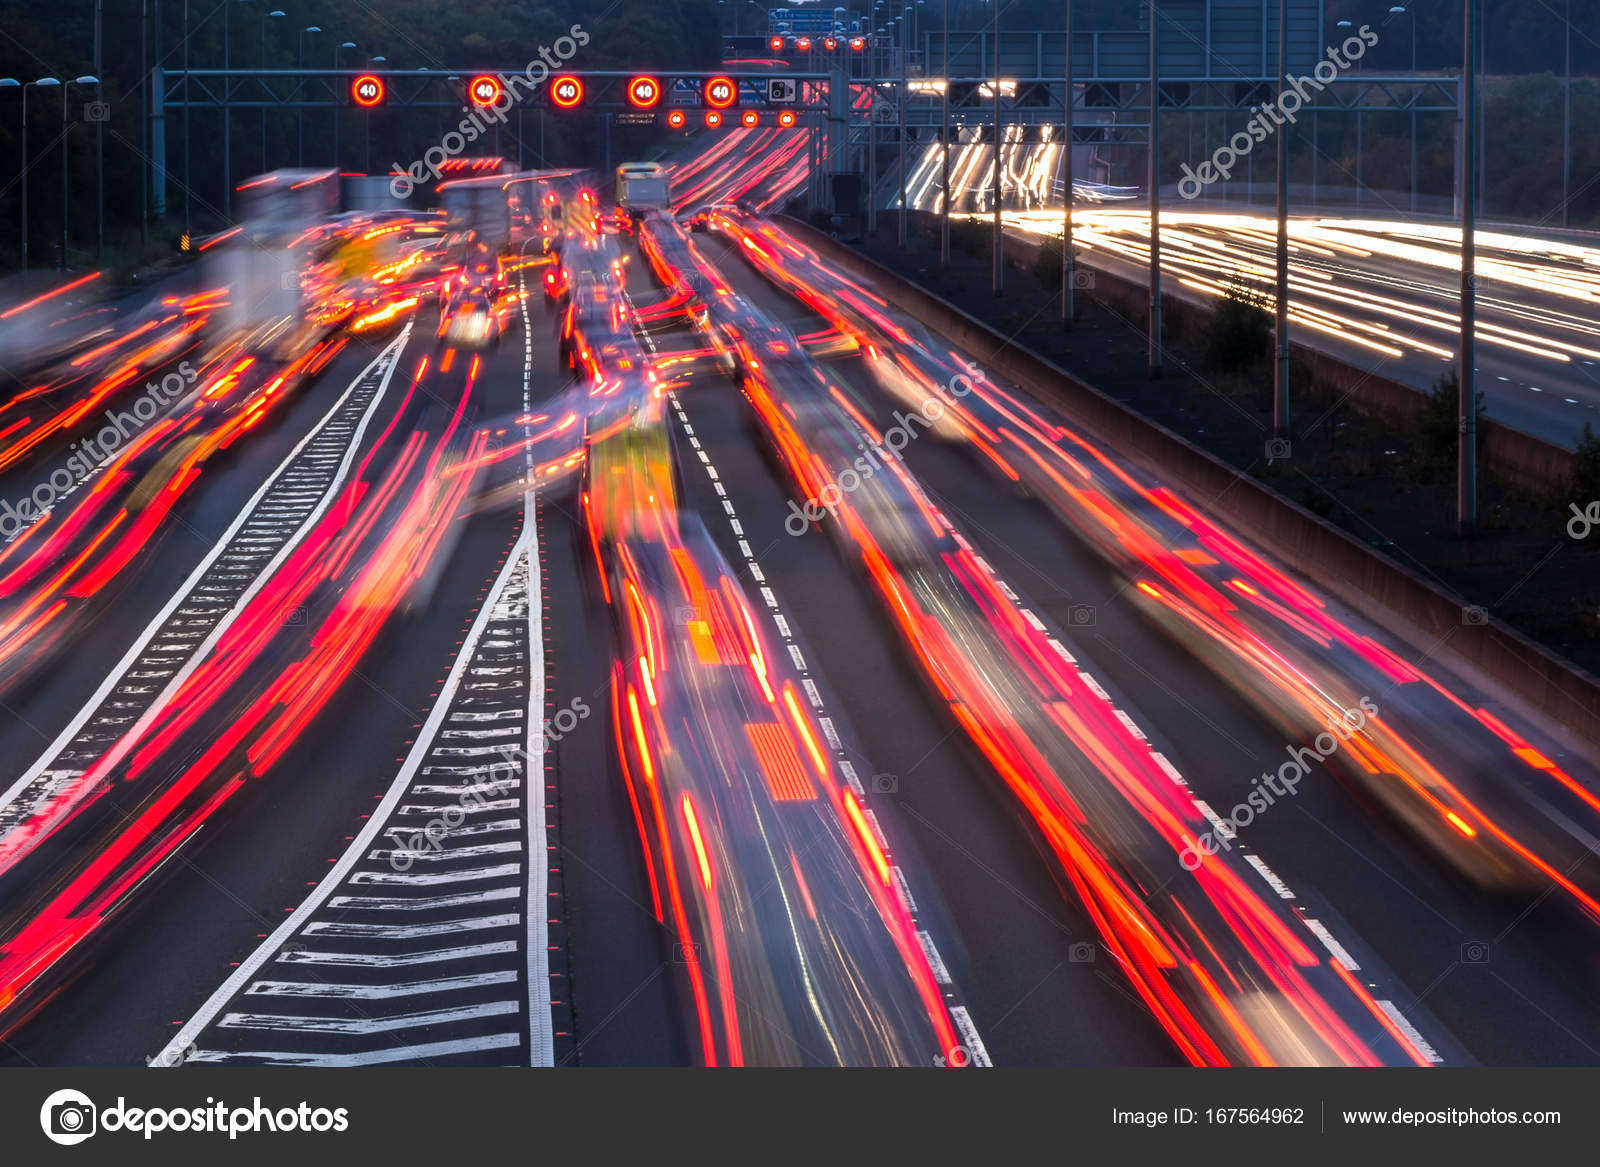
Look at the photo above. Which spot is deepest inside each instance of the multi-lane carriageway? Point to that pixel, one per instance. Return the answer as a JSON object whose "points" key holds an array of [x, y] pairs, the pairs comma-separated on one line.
{"points": [[307, 916]]}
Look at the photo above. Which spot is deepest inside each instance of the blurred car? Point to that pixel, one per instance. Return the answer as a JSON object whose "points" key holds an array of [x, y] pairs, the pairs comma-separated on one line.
{"points": [[473, 321]]}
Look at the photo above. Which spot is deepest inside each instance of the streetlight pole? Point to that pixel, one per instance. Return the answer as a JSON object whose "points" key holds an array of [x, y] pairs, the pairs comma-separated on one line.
{"points": [[1068, 268], [944, 152], [1153, 180], [1280, 396], [1566, 126], [65, 85], [99, 150], [1466, 356], [337, 98], [227, 116], [872, 124], [144, 122], [188, 100], [265, 16], [300, 114], [1402, 10], [366, 124], [904, 211], [999, 273]]}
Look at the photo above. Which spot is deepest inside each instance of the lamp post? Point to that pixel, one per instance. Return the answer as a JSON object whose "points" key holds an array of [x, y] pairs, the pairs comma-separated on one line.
{"points": [[1068, 273], [944, 152], [22, 173], [872, 129], [337, 97], [187, 103], [1361, 104], [1466, 356], [144, 122], [227, 117], [99, 151], [300, 114], [42, 83], [366, 165], [1280, 395], [266, 16], [84, 80], [1566, 124], [997, 276], [904, 211], [1402, 10], [1153, 180]]}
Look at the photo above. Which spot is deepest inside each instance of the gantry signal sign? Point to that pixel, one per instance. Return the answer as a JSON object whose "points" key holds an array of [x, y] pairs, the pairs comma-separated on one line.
{"points": [[783, 91], [566, 90], [485, 90], [720, 92], [367, 91], [644, 92]]}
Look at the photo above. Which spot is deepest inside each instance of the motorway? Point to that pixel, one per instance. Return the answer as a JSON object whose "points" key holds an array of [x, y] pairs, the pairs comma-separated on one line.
{"points": [[557, 702], [1377, 293]]}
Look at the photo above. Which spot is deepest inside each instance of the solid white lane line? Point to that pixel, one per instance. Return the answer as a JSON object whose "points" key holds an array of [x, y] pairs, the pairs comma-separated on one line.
{"points": [[186, 1035], [183, 594]]}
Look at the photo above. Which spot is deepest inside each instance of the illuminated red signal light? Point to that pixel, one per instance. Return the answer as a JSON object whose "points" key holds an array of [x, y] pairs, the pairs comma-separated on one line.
{"points": [[786, 119], [676, 120], [803, 44], [485, 90], [566, 90], [776, 44], [857, 43], [749, 119], [721, 92], [830, 43], [713, 119], [367, 91], [644, 92]]}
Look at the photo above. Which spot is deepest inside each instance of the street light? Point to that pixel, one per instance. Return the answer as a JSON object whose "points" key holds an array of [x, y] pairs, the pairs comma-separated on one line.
{"points": [[13, 83], [227, 119], [300, 114], [1401, 10], [1360, 103], [266, 16], [84, 80], [42, 83], [336, 106], [366, 123]]}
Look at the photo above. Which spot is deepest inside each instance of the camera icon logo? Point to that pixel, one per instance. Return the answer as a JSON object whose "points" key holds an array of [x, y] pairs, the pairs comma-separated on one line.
{"points": [[68, 1117], [1081, 615], [1475, 952], [97, 111], [1083, 278], [885, 784], [1475, 616], [1081, 953], [688, 953], [1277, 449], [294, 617]]}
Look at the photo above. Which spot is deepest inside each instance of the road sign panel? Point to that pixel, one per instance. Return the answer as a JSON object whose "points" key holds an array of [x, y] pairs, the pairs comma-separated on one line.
{"points": [[721, 92], [485, 90], [783, 90], [566, 91], [367, 90], [644, 92]]}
